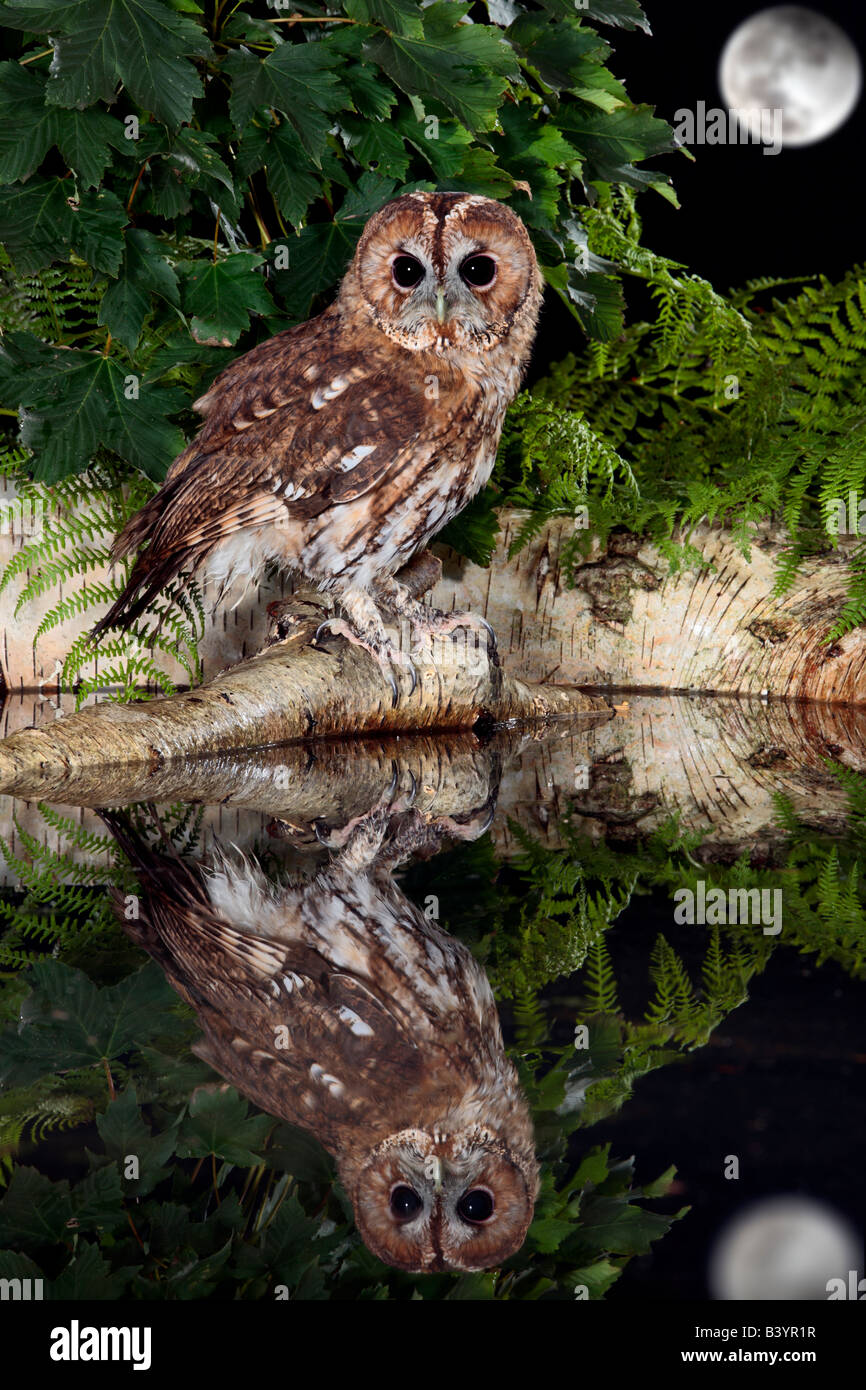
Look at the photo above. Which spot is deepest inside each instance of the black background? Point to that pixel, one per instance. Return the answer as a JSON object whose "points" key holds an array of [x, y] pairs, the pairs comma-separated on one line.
{"points": [[780, 1085], [742, 214], [781, 1082]]}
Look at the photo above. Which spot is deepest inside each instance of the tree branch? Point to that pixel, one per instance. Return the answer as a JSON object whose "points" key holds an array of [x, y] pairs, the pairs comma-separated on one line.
{"points": [[289, 691]]}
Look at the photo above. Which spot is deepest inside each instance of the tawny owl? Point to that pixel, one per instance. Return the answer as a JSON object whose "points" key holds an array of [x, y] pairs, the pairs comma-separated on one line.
{"points": [[337, 1005], [338, 448]]}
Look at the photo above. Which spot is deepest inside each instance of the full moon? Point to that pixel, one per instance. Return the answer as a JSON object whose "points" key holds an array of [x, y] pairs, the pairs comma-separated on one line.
{"points": [[783, 1247], [794, 60]]}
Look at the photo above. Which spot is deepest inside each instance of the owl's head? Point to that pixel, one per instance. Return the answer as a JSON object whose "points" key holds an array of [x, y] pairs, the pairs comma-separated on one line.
{"points": [[445, 271], [429, 1201]]}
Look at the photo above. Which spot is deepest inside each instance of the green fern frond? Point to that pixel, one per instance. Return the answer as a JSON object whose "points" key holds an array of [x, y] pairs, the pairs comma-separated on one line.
{"points": [[58, 303], [73, 605], [600, 982], [674, 997], [530, 1024], [82, 839], [74, 515], [724, 409]]}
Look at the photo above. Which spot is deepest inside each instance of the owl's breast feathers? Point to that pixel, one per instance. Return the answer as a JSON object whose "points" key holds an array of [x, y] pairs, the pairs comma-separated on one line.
{"points": [[342, 450]]}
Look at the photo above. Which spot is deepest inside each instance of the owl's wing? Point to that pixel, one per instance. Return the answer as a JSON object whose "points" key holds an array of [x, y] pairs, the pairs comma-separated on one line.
{"points": [[302, 423], [305, 1044], [304, 1040], [313, 1050], [325, 445]]}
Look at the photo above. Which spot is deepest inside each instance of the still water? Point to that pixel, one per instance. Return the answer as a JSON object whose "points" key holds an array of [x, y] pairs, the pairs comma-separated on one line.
{"points": [[559, 1013]]}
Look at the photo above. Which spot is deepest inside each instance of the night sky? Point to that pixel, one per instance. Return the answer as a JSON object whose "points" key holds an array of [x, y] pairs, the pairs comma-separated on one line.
{"points": [[743, 213]]}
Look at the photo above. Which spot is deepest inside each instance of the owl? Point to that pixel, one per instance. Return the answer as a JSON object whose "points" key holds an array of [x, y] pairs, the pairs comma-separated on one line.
{"points": [[337, 1005], [338, 448]]}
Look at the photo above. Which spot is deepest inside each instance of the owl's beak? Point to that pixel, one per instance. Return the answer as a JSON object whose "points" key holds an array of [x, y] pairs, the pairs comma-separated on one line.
{"points": [[435, 1170], [441, 307]]}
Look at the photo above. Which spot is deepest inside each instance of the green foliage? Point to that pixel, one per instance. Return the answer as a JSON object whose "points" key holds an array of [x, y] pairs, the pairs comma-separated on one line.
{"points": [[51, 911], [559, 919], [72, 524], [594, 1073], [600, 979], [737, 408], [824, 896], [547, 915], [175, 187], [205, 177], [169, 202], [63, 906], [74, 1024], [31, 1113], [225, 1201]]}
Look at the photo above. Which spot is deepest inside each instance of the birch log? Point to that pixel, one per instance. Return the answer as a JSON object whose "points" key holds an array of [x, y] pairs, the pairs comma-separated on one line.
{"points": [[716, 763], [630, 624], [626, 623], [290, 690]]}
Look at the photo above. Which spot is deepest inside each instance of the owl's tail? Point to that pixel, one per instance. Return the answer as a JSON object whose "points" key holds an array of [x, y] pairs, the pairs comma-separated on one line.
{"points": [[165, 875], [137, 595], [153, 569], [208, 961], [173, 901], [141, 856]]}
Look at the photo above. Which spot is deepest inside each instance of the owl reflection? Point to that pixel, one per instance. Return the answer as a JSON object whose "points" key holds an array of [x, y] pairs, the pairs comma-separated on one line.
{"points": [[337, 1005], [338, 448]]}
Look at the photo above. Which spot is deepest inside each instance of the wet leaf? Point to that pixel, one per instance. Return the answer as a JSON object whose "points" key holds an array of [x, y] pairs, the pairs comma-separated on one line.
{"points": [[221, 296], [145, 272], [126, 1135], [219, 1122], [29, 129], [98, 41]]}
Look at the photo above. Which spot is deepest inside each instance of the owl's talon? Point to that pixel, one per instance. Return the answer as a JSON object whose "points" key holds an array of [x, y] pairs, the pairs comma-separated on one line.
{"points": [[337, 837], [331, 626], [469, 829], [388, 658], [449, 622], [432, 622], [391, 661], [414, 792]]}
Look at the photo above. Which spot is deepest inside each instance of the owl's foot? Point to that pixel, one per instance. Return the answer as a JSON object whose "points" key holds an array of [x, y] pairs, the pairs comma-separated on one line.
{"points": [[366, 629], [432, 622], [374, 822], [390, 660]]}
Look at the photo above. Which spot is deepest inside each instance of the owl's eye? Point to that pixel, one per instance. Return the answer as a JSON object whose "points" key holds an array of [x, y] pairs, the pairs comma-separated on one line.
{"points": [[405, 1203], [476, 1206], [478, 271], [407, 272]]}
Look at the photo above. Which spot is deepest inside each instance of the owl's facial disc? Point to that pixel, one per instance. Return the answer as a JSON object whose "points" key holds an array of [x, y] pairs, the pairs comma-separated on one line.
{"points": [[428, 1202], [441, 309], [447, 273]]}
